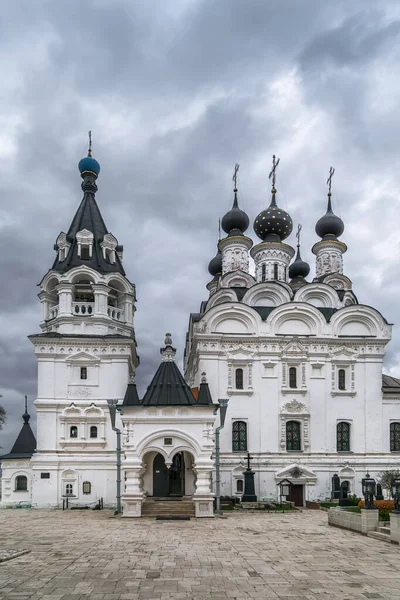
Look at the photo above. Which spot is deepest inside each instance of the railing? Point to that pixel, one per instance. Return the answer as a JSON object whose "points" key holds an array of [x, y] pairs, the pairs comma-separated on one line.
{"points": [[86, 309], [83, 308], [53, 312], [115, 313]]}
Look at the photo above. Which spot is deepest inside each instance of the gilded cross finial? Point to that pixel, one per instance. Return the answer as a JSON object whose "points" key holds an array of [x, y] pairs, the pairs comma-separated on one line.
{"points": [[90, 143], [329, 180], [272, 175], [299, 228], [234, 178]]}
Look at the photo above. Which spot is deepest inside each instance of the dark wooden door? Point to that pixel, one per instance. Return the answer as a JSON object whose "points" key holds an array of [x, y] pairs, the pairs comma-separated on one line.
{"points": [[177, 476], [160, 477], [297, 495]]}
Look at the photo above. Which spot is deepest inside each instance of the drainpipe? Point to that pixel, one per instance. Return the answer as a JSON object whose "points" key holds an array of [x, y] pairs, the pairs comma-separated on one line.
{"points": [[112, 407], [223, 405]]}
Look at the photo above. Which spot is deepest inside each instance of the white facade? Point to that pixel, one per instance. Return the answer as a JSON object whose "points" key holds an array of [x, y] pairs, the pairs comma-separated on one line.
{"points": [[301, 364]]}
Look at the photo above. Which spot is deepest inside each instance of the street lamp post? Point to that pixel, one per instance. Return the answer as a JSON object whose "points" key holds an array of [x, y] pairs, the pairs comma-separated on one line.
{"points": [[369, 492], [396, 496], [223, 405], [112, 407]]}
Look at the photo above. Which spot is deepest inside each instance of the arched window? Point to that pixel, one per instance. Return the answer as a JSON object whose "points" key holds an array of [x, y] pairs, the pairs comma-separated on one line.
{"points": [[342, 379], [239, 379], [293, 436], [21, 483], [263, 272], [275, 271], [239, 486], [293, 377], [93, 431], [239, 436], [73, 431], [394, 437], [343, 437]]}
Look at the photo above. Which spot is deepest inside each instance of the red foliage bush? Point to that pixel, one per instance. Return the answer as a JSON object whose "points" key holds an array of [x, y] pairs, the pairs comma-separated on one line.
{"points": [[381, 504]]}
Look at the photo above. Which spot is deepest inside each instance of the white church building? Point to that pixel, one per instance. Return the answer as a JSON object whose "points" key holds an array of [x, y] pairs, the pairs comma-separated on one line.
{"points": [[299, 361]]}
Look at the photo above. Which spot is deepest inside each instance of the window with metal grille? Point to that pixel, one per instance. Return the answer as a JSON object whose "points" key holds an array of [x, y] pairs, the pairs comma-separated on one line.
{"points": [[239, 436], [239, 379], [86, 487], [239, 486], [83, 372], [293, 436], [93, 431], [394, 437], [342, 379], [44, 475], [21, 483], [263, 272], [293, 377], [343, 437], [69, 489], [275, 271]]}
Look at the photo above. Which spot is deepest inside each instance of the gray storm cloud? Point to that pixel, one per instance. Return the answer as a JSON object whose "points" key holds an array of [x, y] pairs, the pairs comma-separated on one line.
{"points": [[176, 93]]}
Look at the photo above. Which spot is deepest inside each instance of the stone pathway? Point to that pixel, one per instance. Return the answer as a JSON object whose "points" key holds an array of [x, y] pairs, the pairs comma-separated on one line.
{"points": [[90, 555]]}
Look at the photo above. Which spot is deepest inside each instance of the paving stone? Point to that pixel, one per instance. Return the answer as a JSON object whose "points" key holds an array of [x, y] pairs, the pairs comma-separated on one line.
{"points": [[90, 556]]}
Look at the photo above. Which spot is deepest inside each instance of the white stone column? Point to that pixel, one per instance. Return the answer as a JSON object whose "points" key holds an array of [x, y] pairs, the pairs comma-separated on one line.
{"points": [[203, 497], [369, 519], [65, 291], [395, 527], [133, 495], [101, 291], [128, 300]]}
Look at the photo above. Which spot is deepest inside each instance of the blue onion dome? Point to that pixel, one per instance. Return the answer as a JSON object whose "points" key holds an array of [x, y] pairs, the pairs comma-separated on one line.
{"points": [[299, 268], [89, 166], [235, 222], [215, 265], [273, 224], [330, 225]]}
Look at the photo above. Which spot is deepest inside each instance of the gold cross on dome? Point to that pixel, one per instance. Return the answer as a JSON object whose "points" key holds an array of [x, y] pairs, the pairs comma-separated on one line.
{"points": [[329, 180], [235, 172], [272, 175]]}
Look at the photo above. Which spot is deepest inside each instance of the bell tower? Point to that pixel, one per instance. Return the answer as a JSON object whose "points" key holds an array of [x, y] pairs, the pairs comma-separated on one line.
{"points": [[86, 354]]}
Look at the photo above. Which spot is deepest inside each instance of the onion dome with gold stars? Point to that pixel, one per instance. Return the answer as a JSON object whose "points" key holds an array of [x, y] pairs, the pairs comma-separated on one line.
{"points": [[273, 224], [236, 221], [330, 225]]}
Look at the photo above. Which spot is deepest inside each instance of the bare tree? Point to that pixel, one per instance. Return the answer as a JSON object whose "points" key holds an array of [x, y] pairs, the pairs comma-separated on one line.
{"points": [[388, 477], [3, 415]]}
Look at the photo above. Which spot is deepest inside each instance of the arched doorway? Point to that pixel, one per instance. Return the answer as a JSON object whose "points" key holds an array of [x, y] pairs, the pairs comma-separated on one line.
{"points": [[169, 482]]}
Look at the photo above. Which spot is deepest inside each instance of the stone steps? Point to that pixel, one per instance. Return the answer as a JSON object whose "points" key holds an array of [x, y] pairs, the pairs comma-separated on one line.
{"points": [[377, 535], [162, 508], [384, 529]]}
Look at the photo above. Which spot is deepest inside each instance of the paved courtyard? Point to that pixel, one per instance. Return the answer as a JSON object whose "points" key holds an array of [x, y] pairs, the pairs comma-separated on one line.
{"points": [[77, 555]]}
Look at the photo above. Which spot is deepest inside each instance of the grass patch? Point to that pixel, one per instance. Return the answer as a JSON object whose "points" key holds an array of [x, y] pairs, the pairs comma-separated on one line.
{"points": [[329, 504], [353, 509]]}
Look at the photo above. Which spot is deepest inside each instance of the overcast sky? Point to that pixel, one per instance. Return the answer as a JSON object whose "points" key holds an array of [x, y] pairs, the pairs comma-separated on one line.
{"points": [[175, 93]]}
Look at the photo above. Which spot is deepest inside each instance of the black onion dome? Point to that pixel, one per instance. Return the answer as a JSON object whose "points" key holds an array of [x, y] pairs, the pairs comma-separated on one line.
{"points": [[215, 264], [235, 221], [273, 224], [330, 224], [299, 268]]}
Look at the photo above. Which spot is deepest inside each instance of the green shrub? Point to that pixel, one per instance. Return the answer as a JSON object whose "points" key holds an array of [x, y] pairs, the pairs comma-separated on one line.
{"points": [[227, 507], [353, 500], [384, 515]]}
